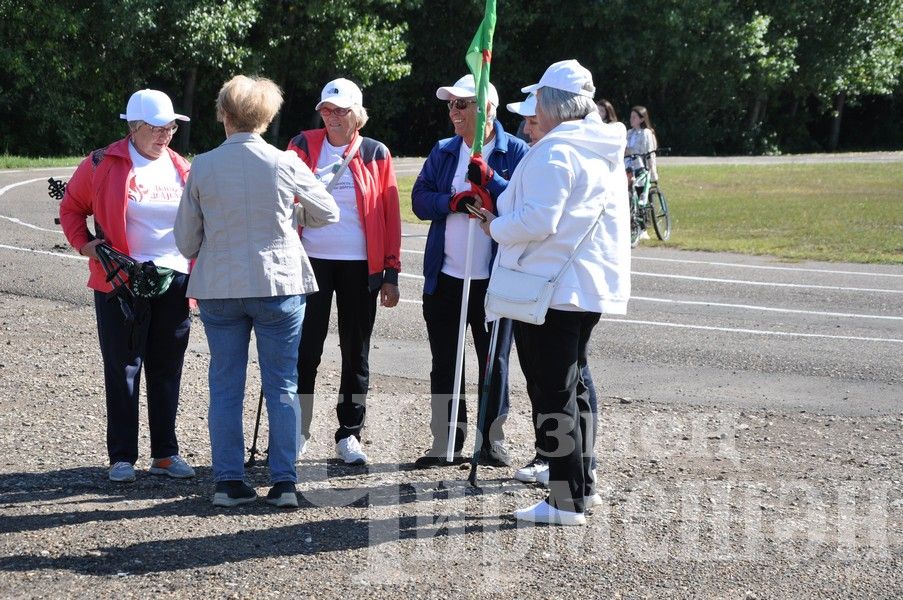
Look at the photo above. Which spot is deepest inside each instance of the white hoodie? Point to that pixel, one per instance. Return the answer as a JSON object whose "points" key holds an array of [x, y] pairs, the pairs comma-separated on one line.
{"points": [[552, 200]]}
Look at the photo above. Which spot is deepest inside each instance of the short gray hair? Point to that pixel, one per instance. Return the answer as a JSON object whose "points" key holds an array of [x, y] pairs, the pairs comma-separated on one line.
{"points": [[360, 115], [561, 106], [134, 125]]}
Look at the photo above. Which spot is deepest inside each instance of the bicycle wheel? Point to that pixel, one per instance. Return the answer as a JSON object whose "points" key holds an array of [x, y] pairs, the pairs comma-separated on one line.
{"points": [[635, 225], [661, 217]]}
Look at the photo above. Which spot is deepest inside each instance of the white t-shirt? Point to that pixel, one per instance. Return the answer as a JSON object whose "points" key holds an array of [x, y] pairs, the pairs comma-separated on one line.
{"points": [[154, 194], [456, 227], [346, 239]]}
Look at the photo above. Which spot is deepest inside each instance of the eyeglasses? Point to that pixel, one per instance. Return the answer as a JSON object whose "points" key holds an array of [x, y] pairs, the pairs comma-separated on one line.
{"points": [[171, 130], [460, 103], [339, 112]]}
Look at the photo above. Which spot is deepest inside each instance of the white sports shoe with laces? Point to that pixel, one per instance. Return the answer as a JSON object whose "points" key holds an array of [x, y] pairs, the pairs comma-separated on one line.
{"points": [[349, 450]]}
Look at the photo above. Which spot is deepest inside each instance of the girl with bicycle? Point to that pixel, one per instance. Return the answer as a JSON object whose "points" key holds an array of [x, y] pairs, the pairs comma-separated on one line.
{"points": [[640, 140]]}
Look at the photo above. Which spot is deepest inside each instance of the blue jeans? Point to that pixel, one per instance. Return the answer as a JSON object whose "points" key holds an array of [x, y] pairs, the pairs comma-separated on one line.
{"points": [[277, 327]]}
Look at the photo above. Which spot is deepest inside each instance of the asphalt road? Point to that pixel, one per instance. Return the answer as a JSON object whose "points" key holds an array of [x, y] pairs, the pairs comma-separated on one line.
{"points": [[702, 328]]}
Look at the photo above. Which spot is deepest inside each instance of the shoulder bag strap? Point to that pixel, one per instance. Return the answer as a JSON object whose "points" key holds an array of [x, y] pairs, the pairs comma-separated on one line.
{"points": [[352, 150], [580, 245]]}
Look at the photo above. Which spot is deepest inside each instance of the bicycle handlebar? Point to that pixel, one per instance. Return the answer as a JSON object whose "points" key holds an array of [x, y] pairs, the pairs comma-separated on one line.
{"points": [[648, 154]]}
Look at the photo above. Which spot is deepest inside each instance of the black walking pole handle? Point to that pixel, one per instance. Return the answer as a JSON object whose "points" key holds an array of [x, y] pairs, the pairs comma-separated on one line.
{"points": [[252, 451]]}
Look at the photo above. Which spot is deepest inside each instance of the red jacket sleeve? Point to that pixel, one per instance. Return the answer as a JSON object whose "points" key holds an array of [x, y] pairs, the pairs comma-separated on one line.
{"points": [[78, 205], [391, 212]]}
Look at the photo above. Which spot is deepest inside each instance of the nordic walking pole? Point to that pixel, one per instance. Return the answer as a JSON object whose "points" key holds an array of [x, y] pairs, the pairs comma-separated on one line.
{"points": [[459, 356], [252, 452], [483, 402]]}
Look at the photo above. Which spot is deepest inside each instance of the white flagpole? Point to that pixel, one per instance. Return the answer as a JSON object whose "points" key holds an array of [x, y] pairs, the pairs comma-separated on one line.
{"points": [[459, 357]]}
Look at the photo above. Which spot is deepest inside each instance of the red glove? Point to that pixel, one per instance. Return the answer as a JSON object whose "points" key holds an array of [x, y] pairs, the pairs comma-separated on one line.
{"points": [[478, 172], [459, 201]]}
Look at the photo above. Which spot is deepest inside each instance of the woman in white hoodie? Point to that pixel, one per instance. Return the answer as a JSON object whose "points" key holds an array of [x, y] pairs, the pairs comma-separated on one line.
{"points": [[555, 196]]}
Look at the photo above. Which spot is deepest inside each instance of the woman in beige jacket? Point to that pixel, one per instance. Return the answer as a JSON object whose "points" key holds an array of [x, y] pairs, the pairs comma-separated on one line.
{"points": [[237, 218]]}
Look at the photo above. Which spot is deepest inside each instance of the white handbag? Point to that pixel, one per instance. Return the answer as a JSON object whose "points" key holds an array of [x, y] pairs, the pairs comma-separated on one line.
{"points": [[523, 296]]}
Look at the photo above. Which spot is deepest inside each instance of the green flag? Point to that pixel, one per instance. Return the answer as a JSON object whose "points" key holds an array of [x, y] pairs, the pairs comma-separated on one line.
{"points": [[478, 57]]}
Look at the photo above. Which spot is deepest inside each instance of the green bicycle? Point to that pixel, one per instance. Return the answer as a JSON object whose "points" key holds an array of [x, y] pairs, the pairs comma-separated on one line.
{"points": [[647, 203]]}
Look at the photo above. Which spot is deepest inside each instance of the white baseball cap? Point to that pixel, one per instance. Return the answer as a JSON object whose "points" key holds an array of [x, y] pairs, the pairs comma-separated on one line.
{"points": [[342, 92], [527, 108], [567, 75], [465, 88], [151, 106]]}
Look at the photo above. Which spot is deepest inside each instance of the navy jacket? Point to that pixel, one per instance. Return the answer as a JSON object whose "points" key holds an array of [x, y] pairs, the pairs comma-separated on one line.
{"points": [[432, 191]]}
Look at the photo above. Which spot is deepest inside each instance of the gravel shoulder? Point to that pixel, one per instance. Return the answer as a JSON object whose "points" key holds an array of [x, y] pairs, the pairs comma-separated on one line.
{"points": [[700, 500]]}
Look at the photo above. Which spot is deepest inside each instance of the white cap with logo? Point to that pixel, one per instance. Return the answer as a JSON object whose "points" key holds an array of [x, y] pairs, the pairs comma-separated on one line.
{"points": [[151, 106], [342, 92], [527, 108], [566, 75], [465, 88]]}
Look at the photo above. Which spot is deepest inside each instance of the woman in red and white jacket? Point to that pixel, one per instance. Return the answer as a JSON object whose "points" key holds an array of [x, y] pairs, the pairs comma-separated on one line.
{"points": [[357, 258], [132, 188]]}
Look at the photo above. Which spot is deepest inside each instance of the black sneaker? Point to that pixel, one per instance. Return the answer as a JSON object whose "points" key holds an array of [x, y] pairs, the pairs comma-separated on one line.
{"points": [[283, 495], [233, 493], [431, 460]]}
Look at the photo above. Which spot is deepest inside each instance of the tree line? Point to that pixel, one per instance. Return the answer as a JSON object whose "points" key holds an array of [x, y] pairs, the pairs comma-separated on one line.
{"points": [[718, 76]]}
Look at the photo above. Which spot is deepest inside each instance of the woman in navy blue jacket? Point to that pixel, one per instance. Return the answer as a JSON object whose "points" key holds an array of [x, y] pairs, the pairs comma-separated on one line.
{"points": [[440, 195]]}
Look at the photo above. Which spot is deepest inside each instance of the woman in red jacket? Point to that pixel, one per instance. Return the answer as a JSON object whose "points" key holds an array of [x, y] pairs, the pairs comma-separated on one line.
{"points": [[357, 258], [133, 188]]}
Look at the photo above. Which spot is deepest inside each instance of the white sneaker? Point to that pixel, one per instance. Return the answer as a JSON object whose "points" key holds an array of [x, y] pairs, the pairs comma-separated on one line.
{"points": [[529, 472], [122, 472], [542, 477], [543, 512], [349, 450], [644, 235], [592, 501]]}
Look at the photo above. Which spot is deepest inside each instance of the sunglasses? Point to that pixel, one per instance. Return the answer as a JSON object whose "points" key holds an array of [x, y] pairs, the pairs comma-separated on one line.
{"points": [[339, 112], [460, 103]]}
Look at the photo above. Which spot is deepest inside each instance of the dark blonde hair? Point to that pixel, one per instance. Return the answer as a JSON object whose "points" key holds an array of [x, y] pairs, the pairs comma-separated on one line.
{"points": [[609, 115], [645, 120], [249, 102]]}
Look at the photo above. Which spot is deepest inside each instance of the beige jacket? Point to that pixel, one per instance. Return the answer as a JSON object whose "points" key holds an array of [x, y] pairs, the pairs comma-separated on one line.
{"points": [[236, 217]]}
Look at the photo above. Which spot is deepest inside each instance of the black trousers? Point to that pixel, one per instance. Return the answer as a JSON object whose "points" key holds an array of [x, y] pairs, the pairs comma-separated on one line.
{"points": [[552, 356], [158, 346], [442, 312], [543, 446], [356, 304]]}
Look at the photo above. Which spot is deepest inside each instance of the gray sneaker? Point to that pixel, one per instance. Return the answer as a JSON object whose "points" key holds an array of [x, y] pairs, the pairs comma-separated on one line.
{"points": [[173, 466], [122, 472], [496, 455]]}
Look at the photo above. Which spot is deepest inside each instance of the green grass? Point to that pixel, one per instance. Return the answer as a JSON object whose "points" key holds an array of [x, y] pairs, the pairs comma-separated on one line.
{"points": [[11, 161], [830, 212]]}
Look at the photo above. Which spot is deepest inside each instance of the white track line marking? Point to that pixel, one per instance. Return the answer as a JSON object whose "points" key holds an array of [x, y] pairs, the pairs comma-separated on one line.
{"points": [[738, 281], [60, 254], [29, 225], [766, 308], [31, 170], [755, 331], [631, 321], [6, 188], [699, 262], [769, 267], [767, 283], [734, 329]]}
